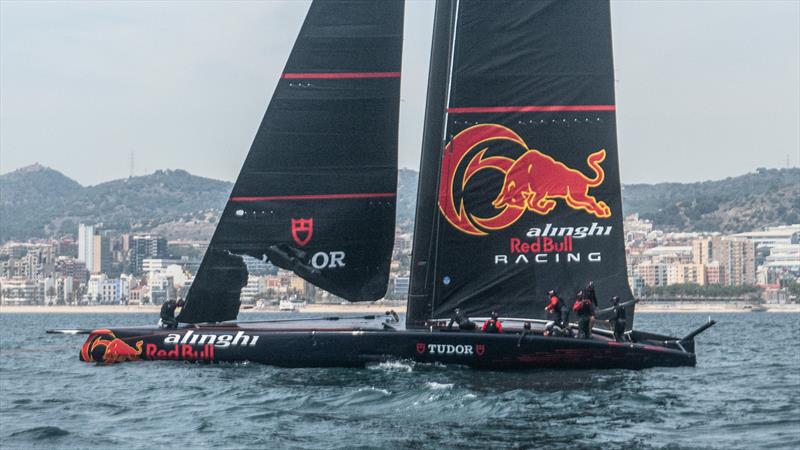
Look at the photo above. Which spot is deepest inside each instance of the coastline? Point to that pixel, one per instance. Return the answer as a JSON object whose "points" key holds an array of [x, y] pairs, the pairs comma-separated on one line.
{"points": [[373, 308]]}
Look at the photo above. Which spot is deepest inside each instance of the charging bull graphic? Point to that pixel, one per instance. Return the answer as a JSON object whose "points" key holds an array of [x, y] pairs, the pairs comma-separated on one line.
{"points": [[99, 349], [533, 182]]}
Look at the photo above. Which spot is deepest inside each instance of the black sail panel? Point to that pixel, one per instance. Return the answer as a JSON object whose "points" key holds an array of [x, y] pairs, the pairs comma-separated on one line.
{"points": [[316, 194], [528, 196]]}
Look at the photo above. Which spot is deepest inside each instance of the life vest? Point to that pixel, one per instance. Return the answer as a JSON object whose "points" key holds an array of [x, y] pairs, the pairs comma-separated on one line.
{"points": [[583, 307], [492, 326]]}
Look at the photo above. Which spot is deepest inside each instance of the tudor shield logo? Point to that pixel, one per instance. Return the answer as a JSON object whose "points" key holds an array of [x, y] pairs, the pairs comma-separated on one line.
{"points": [[302, 230], [420, 348]]}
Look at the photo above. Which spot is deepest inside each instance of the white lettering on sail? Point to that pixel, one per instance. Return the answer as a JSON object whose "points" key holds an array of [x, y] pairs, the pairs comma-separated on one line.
{"points": [[325, 260]]}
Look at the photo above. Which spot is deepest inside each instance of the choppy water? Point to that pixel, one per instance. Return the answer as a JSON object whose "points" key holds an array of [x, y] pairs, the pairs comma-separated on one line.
{"points": [[744, 393]]}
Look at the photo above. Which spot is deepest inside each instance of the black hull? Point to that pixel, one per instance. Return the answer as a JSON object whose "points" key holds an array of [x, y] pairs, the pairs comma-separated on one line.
{"points": [[295, 346]]}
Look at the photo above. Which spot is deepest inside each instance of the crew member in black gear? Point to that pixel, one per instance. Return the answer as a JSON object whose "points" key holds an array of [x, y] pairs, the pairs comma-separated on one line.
{"points": [[493, 325], [585, 310], [589, 293], [168, 313], [618, 319], [463, 321]]}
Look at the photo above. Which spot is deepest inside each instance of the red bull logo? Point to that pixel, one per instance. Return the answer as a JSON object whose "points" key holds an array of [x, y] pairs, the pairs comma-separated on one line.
{"points": [[532, 182], [104, 346]]}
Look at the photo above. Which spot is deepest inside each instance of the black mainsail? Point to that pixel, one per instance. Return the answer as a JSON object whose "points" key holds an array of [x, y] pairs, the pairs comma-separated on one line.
{"points": [[316, 194], [519, 189]]}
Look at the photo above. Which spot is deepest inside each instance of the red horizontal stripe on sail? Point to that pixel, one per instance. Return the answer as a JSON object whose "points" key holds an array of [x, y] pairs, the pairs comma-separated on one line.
{"points": [[313, 197], [501, 109], [342, 75]]}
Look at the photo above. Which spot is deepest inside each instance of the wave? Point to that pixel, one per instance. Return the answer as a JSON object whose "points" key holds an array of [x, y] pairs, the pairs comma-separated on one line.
{"points": [[40, 433]]}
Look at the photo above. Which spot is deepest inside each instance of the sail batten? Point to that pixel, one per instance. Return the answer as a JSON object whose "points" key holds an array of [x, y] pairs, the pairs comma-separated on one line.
{"points": [[316, 193]]}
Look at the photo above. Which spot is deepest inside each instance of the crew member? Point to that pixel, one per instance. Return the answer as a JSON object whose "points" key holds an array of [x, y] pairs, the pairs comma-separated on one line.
{"points": [[590, 294], [463, 321], [556, 308], [618, 318], [492, 325], [168, 313], [585, 310]]}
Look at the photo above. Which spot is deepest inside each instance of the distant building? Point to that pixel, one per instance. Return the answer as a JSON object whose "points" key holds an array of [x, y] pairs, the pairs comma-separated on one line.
{"points": [[686, 273], [738, 259], [781, 235], [252, 290], [160, 288], [652, 273], [18, 291], [714, 273], [101, 254], [71, 267], [86, 246], [701, 251], [144, 247], [161, 264], [400, 287]]}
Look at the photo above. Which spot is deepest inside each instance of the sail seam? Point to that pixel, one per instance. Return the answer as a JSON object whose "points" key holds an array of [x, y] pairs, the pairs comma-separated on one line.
{"points": [[314, 197], [342, 75], [532, 108]]}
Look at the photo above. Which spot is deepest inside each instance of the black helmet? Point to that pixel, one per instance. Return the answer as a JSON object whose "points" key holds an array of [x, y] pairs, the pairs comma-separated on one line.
{"points": [[615, 299], [551, 292], [579, 294], [590, 285], [494, 315]]}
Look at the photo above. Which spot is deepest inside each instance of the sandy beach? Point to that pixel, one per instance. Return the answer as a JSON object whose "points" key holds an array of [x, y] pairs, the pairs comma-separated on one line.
{"points": [[377, 308]]}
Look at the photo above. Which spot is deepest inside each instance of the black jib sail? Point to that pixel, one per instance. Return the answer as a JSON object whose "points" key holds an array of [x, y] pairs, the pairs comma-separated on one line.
{"points": [[519, 189], [316, 194]]}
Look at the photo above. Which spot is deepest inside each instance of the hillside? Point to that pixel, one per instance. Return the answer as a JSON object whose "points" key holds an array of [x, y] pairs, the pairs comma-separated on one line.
{"points": [[764, 198], [37, 201]]}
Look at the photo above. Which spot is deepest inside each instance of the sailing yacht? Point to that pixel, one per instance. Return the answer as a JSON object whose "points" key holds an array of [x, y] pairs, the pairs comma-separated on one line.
{"points": [[519, 194]]}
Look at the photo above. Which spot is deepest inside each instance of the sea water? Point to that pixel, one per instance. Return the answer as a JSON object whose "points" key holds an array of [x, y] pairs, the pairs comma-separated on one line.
{"points": [[744, 393]]}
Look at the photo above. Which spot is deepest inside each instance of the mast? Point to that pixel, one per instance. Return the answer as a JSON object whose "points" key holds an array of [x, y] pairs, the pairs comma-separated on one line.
{"points": [[526, 184], [316, 193], [427, 218]]}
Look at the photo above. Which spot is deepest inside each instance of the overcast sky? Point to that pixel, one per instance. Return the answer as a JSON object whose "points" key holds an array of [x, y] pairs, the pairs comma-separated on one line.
{"points": [[705, 90]]}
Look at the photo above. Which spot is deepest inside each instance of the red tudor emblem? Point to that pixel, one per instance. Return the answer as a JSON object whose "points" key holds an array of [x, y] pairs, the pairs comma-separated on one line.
{"points": [[479, 349], [421, 348], [302, 230]]}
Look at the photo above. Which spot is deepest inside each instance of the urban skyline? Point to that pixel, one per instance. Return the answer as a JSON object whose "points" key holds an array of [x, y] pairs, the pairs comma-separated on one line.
{"points": [[102, 267]]}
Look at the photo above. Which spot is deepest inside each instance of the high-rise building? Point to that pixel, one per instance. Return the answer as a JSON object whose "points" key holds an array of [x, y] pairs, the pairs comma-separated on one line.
{"points": [[148, 246], [86, 246], [686, 273], [653, 273], [737, 257], [71, 267], [101, 254], [701, 251]]}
